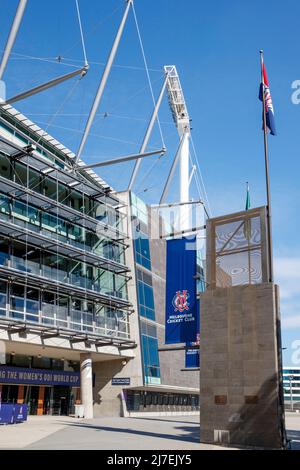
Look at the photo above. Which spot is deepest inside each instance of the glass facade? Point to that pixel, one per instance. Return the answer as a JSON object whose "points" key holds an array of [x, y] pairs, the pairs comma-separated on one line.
{"points": [[145, 293], [140, 232], [150, 353], [32, 260], [38, 220], [146, 401], [67, 272], [59, 192], [37, 306]]}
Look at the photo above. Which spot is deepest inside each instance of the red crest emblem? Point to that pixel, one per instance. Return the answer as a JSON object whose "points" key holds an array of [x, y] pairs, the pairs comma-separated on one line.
{"points": [[180, 301]]}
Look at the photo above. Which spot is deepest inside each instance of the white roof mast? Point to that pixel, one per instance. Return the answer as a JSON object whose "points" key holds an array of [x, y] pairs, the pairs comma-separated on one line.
{"points": [[182, 121]]}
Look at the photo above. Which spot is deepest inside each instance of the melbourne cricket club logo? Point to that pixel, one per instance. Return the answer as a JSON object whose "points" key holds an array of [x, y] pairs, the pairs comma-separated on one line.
{"points": [[180, 301]]}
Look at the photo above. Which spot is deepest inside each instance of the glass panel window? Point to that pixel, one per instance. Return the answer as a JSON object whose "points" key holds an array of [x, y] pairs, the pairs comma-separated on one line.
{"points": [[142, 249], [107, 282], [49, 222], [146, 300], [63, 194], [76, 201], [121, 286], [100, 319], [34, 180], [150, 353], [5, 167], [33, 260], [3, 298], [88, 207], [62, 311], [4, 252], [93, 242], [32, 305], [19, 210], [48, 308], [80, 275], [76, 234], [55, 267], [4, 206], [41, 363], [149, 298], [50, 188], [21, 174], [21, 361], [19, 256], [17, 302], [33, 215], [111, 321], [82, 315]]}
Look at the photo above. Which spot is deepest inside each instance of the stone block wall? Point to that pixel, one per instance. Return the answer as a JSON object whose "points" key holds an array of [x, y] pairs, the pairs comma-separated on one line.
{"points": [[239, 376]]}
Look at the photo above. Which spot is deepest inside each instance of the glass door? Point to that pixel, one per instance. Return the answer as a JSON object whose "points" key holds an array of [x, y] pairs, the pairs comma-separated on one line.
{"points": [[32, 400], [47, 401]]}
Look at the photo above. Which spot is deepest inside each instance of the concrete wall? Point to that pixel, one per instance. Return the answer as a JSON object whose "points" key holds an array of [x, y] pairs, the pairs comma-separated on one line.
{"points": [[239, 366], [107, 397]]}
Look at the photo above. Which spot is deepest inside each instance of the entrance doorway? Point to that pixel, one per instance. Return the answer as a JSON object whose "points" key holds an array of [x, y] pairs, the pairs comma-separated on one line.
{"points": [[9, 394], [63, 400], [31, 399], [41, 400]]}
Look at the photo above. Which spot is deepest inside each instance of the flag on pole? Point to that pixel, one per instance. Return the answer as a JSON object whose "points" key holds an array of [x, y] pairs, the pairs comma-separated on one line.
{"points": [[265, 97], [247, 221], [248, 204]]}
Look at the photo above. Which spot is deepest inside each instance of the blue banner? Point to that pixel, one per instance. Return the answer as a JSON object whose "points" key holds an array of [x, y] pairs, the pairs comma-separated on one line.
{"points": [[192, 358], [19, 376], [182, 307], [20, 413], [6, 413]]}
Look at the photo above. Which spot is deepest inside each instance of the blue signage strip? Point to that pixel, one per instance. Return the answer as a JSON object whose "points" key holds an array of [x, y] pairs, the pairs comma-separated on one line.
{"points": [[182, 309], [192, 358], [19, 376]]}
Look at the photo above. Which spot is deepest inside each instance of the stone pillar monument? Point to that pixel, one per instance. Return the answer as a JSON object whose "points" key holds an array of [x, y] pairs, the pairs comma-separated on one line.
{"points": [[240, 343], [86, 384]]}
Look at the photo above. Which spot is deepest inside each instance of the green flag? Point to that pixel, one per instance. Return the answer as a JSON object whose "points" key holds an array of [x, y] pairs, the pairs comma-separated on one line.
{"points": [[248, 204], [247, 222]]}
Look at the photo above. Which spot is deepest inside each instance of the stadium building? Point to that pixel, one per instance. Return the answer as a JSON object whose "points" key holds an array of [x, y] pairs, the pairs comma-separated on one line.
{"points": [[81, 294]]}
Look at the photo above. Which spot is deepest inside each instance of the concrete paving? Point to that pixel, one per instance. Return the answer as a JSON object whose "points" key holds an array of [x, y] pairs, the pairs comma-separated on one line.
{"points": [[163, 433]]}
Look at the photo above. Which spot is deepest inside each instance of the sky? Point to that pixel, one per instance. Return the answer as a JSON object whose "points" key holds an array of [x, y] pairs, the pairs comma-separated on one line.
{"points": [[215, 47]]}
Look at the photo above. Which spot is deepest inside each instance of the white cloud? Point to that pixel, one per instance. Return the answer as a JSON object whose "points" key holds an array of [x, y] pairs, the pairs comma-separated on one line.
{"points": [[287, 274], [290, 322]]}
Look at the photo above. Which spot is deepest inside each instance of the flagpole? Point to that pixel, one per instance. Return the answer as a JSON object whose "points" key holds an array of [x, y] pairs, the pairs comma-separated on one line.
{"points": [[271, 275], [269, 213]]}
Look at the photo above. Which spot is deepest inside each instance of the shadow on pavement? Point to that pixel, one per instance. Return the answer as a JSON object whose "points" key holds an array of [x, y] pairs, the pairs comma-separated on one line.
{"points": [[166, 420], [191, 436]]}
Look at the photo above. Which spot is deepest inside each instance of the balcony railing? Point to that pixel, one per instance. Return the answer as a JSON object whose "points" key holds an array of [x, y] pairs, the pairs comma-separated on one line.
{"points": [[59, 317], [62, 231], [58, 275]]}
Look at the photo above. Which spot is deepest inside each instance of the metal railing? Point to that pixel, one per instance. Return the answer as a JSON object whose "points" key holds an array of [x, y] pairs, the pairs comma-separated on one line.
{"points": [[77, 320], [59, 275]]}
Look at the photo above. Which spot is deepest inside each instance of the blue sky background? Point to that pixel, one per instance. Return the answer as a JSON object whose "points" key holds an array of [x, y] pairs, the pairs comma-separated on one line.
{"points": [[215, 46]]}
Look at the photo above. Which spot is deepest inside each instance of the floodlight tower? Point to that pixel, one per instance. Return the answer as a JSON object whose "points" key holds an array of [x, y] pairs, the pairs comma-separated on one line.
{"points": [[182, 121]]}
